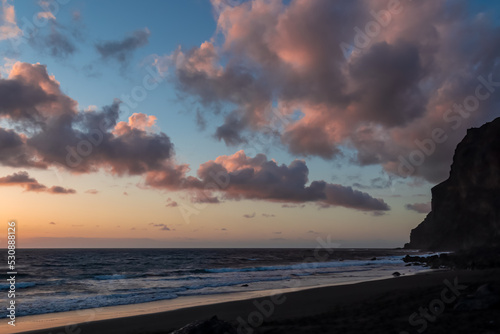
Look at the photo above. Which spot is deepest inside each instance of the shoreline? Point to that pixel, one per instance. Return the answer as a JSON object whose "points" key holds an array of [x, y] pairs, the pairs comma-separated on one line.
{"points": [[68, 318], [163, 316]]}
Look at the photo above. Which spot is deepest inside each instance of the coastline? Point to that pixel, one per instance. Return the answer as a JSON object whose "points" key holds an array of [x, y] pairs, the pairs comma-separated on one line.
{"points": [[61, 319], [164, 316]]}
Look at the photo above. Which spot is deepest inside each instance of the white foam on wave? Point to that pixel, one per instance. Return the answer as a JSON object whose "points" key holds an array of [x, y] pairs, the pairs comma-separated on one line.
{"points": [[310, 265]]}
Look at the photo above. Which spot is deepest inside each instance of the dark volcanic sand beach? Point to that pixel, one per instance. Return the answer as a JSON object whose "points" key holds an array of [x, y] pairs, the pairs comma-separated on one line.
{"points": [[382, 306]]}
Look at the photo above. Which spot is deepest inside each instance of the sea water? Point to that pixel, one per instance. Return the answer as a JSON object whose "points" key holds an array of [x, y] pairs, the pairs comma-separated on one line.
{"points": [[56, 280]]}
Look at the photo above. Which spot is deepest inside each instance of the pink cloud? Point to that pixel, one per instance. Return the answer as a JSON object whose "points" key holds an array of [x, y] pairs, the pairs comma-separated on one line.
{"points": [[138, 121], [8, 25], [380, 101], [238, 177], [22, 179], [36, 76], [82, 141], [92, 140]]}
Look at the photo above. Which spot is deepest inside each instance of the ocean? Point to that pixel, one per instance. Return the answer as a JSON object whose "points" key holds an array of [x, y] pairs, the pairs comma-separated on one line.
{"points": [[56, 280]]}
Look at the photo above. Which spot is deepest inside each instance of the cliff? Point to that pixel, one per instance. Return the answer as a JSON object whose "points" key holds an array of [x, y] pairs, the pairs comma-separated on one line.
{"points": [[466, 207]]}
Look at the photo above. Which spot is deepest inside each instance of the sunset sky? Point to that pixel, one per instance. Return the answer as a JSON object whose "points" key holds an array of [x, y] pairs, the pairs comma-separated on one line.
{"points": [[230, 123]]}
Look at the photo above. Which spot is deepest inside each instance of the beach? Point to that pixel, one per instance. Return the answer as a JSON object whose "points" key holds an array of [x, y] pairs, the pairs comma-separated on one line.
{"points": [[378, 306], [61, 280]]}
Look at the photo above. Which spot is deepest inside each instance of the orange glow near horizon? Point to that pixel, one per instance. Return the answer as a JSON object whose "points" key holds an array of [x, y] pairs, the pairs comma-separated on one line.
{"points": [[112, 214]]}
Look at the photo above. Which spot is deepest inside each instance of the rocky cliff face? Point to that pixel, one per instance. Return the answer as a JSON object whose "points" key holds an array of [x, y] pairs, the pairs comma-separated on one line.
{"points": [[466, 207]]}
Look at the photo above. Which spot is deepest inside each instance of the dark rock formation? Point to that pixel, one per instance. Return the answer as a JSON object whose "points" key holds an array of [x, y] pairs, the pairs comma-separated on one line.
{"points": [[434, 261], [473, 258], [212, 326], [466, 207]]}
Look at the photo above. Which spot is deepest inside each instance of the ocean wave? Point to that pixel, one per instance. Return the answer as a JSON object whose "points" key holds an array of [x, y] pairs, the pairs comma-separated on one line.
{"points": [[109, 277], [19, 285], [5, 276], [304, 266], [82, 283], [37, 306], [187, 278], [234, 283]]}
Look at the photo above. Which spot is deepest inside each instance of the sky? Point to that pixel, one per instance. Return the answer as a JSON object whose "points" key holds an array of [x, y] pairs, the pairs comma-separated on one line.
{"points": [[230, 123]]}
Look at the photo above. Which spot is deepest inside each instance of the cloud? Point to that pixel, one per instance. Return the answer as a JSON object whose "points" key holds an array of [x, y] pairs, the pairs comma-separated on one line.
{"points": [[249, 215], [31, 94], [271, 58], [138, 121], [201, 198], [163, 227], [376, 183], [20, 100], [171, 203], [257, 178], [267, 215], [378, 213], [200, 120], [122, 50], [55, 133], [60, 190], [130, 151], [51, 37], [52, 223], [22, 179], [17, 178], [8, 63], [8, 25], [92, 191], [231, 130], [46, 15], [419, 207], [56, 43], [291, 206]]}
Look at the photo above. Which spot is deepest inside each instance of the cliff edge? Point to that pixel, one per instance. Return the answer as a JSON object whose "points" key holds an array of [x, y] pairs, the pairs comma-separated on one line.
{"points": [[466, 207]]}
